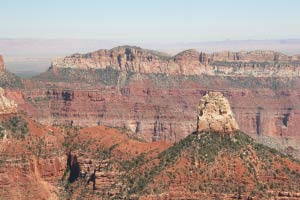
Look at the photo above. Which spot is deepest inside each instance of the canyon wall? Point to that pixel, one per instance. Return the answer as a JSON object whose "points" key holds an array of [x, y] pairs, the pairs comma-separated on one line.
{"points": [[103, 163], [140, 92], [160, 111], [189, 62]]}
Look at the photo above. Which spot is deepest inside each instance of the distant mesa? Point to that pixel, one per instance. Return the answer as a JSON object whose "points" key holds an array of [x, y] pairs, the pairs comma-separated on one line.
{"points": [[215, 114], [6, 106], [189, 62]]}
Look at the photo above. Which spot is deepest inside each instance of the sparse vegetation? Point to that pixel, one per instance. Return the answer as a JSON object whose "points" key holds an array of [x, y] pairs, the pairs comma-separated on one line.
{"points": [[207, 150], [10, 80], [15, 127]]}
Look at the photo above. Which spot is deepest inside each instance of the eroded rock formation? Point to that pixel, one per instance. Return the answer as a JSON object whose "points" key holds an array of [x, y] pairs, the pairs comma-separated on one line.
{"points": [[133, 59], [215, 114], [189, 62], [6, 106]]}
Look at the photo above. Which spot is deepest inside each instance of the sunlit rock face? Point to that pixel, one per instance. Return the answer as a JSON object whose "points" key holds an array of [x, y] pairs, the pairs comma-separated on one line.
{"points": [[6, 106], [215, 114]]}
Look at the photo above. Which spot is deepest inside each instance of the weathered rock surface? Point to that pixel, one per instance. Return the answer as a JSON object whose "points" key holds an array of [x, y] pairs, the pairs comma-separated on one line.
{"points": [[215, 114], [125, 58], [6, 106], [189, 62]]}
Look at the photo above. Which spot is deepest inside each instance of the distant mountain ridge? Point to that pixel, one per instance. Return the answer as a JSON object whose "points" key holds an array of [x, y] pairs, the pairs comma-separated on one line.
{"points": [[188, 62], [34, 55]]}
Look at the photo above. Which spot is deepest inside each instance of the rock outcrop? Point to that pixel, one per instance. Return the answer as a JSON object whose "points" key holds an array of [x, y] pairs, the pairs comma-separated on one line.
{"points": [[215, 114], [1, 63], [6, 106]]}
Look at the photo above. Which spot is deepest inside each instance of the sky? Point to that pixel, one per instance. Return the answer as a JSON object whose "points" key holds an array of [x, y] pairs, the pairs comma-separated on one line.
{"points": [[151, 20]]}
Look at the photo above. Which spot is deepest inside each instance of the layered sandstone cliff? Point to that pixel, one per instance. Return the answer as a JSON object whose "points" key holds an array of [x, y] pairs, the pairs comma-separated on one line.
{"points": [[164, 108], [189, 62], [215, 114], [132, 59]]}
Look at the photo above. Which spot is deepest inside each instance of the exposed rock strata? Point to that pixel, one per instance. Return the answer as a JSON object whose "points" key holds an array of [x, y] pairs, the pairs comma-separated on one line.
{"points": [[31, 167], [167, 112], [189, 62], [215, 114], [158, 106]]}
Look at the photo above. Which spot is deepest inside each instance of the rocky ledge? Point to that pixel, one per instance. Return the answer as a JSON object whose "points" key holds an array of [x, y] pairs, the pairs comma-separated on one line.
{"points": [[215, 114]]}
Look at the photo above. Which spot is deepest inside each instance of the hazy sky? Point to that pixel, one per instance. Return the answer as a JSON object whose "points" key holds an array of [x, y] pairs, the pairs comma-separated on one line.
{"points": [[151, 20]]}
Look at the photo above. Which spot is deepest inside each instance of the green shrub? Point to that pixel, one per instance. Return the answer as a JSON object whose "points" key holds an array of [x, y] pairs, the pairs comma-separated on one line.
{"points": [[16, 127]]}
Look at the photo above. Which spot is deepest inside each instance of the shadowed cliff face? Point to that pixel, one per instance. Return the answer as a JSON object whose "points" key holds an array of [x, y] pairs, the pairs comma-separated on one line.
{"points": [[73, 166]]}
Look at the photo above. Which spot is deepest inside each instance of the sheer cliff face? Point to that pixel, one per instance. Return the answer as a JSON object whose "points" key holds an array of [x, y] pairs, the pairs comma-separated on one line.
{"points": [[189, 62]]}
